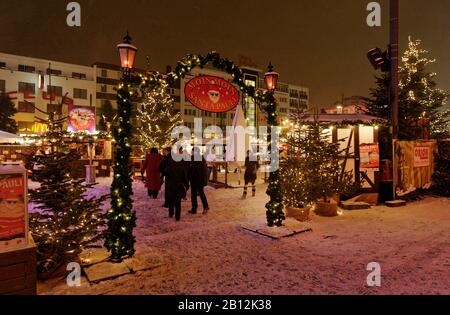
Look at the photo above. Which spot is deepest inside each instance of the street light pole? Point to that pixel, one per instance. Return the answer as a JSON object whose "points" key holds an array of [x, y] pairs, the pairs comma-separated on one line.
{"points": [[275, 214], [119, 238], [394, 80], [394, 45]]}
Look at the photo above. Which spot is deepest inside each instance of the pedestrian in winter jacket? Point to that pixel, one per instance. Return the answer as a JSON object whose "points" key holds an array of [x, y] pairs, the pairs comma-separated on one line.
{"points": [[251, 170], [176, 186], [198, 178], [167, 157], [151, 167]]}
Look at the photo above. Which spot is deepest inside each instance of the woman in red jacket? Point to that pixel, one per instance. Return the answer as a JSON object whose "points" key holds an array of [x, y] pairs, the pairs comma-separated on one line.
{"points": [[151, 167]]}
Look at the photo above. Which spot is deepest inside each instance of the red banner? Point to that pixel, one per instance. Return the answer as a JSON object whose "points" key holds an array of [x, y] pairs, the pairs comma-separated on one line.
{"points": [[212, 94], [12, 210]]}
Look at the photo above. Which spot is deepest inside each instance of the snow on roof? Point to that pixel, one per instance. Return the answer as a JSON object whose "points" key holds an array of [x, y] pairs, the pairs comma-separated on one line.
{"points": [[338, 117]]}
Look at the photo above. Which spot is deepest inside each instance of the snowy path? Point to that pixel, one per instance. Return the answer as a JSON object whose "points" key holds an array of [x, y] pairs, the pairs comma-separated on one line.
{"points": [[213, 255]]}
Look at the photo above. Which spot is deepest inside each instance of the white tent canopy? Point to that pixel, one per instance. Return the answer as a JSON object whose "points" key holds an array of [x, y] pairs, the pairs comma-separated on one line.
{"points": [[6, 137], [235, 151]]}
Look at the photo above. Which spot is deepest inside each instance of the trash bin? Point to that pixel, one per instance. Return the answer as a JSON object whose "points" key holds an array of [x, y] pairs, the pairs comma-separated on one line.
{"points": [[90, 174], [386, 192]]}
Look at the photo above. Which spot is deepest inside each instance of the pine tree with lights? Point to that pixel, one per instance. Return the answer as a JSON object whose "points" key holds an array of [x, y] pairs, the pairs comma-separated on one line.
{"points": [[157, 118], [108, 116], [420, 101], [66, 220], [311, 171], [7, 111]]}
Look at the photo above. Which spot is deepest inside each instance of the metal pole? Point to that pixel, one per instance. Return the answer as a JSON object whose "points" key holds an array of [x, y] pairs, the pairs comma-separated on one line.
{"points": [[393, 43], [394, 80]]}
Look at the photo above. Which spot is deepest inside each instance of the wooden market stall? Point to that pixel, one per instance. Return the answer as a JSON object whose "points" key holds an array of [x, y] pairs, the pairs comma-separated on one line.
{"points": [[360, 145]]}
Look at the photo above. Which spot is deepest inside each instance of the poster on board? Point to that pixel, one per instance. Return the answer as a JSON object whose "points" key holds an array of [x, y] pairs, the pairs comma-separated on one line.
{"points": [[370, 156], [13, 208], [81, 118]]}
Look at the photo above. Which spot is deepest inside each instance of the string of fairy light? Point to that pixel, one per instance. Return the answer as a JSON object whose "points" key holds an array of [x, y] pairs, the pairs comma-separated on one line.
{"points": [[425, 97], [122, 219], [157, 118]]}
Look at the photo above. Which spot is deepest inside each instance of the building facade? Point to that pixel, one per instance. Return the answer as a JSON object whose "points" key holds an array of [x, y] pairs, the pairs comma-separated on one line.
{"points": [[37, 86]]}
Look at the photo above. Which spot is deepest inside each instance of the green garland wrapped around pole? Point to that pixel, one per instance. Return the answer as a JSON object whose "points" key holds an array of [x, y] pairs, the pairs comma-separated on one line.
{"points": [[119, 238], [275, 214]]}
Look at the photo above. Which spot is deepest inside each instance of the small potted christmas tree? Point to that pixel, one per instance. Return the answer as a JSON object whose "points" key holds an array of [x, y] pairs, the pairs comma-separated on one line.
{"points": [[311, 172]]}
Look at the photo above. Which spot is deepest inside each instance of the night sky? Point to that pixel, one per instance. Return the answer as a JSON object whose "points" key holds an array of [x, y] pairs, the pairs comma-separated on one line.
{"points": [[320, 44]]}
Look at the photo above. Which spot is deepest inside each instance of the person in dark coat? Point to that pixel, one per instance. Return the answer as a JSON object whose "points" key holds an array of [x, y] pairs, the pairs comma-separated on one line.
{"points": [[198, 178], [250, 175], [177, 185], [167, 157], [152, 168]]}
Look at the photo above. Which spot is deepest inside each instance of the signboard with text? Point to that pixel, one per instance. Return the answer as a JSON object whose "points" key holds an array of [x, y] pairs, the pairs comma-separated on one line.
{"points": [[421, 156], [13, 207], [212, 94]]}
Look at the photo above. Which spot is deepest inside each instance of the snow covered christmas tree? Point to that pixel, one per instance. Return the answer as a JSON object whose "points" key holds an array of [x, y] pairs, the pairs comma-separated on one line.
{"points": [[420, 101], [67, 219], [157, 118]]}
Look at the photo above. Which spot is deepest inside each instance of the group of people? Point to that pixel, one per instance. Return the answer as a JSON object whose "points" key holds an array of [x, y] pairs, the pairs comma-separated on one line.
{"points": [[179, 176]]}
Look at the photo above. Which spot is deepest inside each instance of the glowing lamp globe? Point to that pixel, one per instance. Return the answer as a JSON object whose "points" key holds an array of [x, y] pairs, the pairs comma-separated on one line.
{"points": [[127, 53], [271, 79]]}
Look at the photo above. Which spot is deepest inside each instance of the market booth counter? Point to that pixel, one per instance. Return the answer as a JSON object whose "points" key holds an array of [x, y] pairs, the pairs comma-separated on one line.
{"points": [[98, 155], [17, 249]]}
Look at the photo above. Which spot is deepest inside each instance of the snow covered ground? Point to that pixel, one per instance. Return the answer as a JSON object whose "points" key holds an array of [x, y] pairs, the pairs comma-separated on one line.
{"points": [[212, 255]]}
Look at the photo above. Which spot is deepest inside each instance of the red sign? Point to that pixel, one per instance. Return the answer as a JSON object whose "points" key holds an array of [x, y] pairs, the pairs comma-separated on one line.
{"points": [[212, 94], [421, 156], [12, 211]]}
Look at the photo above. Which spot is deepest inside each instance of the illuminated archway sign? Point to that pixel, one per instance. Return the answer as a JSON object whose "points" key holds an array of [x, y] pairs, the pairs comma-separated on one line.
{"points": [[211, 94]]}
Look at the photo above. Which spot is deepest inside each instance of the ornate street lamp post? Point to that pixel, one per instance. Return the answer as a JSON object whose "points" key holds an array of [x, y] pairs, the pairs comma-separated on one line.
{"points": [[275, 214], [121, 217], [127, 55]]}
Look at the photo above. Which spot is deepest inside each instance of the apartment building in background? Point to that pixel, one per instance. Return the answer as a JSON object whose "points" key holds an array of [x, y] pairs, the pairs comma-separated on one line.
{"points": [[36, 86]]}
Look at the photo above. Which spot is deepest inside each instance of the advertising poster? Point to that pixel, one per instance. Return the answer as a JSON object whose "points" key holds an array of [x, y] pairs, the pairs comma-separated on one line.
{"points": [[81, 118], [370, 156], [13, 211], [421, 156]]}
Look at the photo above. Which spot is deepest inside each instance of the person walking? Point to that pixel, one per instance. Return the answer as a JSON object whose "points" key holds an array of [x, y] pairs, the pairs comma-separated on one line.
{"points": [[177, 185], [198, 179], [250, 175], [152, 168], [210, 159], [166, 158]]}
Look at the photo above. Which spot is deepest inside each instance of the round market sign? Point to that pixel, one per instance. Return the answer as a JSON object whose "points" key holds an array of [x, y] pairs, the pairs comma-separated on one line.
{"points": [[211, 94]]}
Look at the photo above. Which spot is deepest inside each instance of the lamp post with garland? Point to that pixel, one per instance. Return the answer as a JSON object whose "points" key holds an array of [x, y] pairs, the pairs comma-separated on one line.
{"points": [[119, 238], [275, 214]]}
